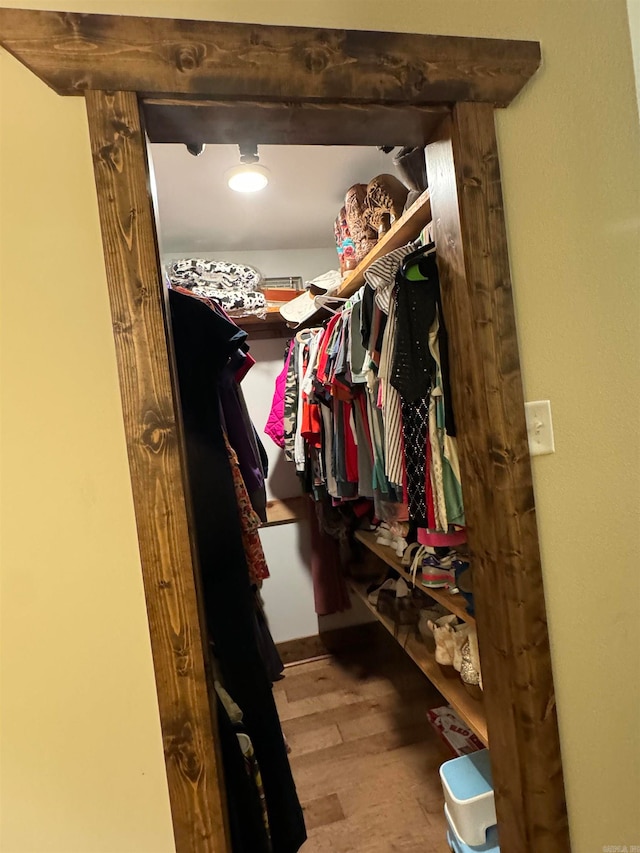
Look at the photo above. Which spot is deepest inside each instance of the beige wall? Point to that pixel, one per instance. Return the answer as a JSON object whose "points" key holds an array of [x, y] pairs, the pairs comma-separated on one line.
{"points": [[633, 10], [81, 754]]}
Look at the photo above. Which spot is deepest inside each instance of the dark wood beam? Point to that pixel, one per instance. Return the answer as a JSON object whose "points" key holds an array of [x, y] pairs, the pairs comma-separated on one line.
{"points": [[194, 772], [466, 201], [72, 52], [268, 123]]}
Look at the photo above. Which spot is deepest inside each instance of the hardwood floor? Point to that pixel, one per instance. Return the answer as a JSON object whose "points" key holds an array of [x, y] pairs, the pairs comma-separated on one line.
{"points": [[363, 754]]}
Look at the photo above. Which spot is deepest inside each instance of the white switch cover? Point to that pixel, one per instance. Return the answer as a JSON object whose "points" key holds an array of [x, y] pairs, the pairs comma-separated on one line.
{"points": [[539, 427]]}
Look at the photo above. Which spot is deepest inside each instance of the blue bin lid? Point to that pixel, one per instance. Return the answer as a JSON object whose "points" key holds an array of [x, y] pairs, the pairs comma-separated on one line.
{"points": [[468, 776]]}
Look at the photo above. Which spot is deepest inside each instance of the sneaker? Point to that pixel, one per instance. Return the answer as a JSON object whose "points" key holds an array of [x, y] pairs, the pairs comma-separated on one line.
{"points": [[437, 578], [431, 560]]}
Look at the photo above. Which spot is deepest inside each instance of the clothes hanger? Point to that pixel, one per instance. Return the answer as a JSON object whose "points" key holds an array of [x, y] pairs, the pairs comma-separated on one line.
{"points": [[426, 235], [326, 301], [303, 336], [417, 254], [410, 264]]}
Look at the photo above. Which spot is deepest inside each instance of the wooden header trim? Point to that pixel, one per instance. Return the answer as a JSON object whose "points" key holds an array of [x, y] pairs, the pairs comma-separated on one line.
{"points": [[74, 52]]}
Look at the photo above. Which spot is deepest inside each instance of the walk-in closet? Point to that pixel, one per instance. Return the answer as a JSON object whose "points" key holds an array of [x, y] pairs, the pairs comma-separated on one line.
{"points": [[311, 348], [324, 419]]}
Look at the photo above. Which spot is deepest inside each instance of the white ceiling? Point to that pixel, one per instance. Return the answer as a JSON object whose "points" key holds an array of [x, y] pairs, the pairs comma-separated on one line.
{"points": [[199, 213]]}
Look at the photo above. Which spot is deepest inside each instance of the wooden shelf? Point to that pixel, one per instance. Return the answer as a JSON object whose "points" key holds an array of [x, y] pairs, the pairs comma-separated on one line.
{"points": [[286, 510], [271, 326], [407, 228], [466, 707], [453, 603]]}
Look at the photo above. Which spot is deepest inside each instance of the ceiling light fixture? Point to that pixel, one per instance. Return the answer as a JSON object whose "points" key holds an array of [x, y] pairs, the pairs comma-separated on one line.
{"points": [[250, 176]]}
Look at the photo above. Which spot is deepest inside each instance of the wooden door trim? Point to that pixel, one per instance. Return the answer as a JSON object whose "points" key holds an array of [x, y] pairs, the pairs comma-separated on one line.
{"points": [[135, 57], [152, 423], [468, 220]]}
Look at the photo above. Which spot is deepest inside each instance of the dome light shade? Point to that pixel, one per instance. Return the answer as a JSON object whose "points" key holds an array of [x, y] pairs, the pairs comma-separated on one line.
{"points": [[248, 178]]}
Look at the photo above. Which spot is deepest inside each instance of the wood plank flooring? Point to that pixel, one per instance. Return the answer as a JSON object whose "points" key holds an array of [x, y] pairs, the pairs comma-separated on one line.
{"points": [[363, 755]]}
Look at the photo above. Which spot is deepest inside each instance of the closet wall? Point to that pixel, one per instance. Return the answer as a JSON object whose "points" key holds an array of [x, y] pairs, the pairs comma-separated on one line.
{"points": [[82, 763]]}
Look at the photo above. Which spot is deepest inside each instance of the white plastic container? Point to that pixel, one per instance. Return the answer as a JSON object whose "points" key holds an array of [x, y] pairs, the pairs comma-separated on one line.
{"points": [[458, 846], [468, 794]]}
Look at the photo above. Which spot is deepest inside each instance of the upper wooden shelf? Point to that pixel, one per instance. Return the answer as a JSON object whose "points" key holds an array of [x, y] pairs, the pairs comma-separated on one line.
{"points": [[271, 326], [453, 603], [407, 228]]}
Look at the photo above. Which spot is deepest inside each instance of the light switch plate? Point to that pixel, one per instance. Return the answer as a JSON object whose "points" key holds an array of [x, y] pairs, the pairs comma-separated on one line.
{"points": [[539, 427]]}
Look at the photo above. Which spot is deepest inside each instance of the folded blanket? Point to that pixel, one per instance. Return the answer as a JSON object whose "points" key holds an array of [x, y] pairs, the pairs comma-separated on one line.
{"points": [[233, 286]]}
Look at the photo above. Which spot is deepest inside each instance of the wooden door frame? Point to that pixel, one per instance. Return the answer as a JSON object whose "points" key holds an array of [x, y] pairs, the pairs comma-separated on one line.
{"points": [[287, 80]]}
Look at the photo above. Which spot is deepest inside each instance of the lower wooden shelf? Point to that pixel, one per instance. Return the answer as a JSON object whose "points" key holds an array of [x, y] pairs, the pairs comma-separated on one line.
{"points": [[286, 510], [468, 709], [454, 603]]}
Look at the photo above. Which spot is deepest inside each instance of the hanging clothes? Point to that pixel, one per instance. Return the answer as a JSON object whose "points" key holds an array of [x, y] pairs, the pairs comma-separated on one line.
{"points": [[374, 415], [275, 423], [250, 522], [420, 374], [204, 342], [241, 433]]}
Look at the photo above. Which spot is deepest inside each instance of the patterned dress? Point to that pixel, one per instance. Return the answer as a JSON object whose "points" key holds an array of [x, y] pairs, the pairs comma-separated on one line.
{"points": [[250, 522]]}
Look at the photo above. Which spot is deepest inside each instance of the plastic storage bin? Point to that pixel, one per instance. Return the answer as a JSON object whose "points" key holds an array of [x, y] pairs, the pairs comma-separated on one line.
{"points": [[468, 795], [458, 846]]}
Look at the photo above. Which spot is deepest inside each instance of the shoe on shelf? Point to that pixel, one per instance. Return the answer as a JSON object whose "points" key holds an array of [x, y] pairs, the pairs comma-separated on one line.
{"points": [[433, 578], [411, 164], [462, 572], [383, 531], [374, 595], [435, 614], [445, 562], [410, 553], [444, 635], [400, 547], [460, 639], [470, 671]]}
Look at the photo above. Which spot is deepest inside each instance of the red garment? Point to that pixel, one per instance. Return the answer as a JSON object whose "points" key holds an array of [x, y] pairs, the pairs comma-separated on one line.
{"points": [[311, 423], [329, 588], [245, 367], [442, 540], [323, 355], [340, 390]]}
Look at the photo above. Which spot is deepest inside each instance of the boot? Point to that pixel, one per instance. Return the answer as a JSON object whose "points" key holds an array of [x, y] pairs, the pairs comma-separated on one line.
{"points": [[385, 201], [364, 236], [411, 165]]}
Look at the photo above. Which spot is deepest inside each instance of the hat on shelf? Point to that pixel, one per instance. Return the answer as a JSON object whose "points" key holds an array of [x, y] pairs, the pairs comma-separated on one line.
{"points": [[303, 307], [325, 283]]}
